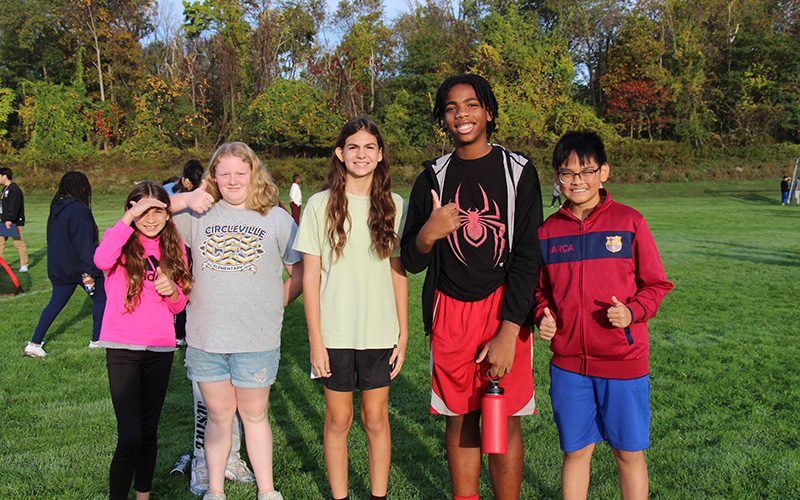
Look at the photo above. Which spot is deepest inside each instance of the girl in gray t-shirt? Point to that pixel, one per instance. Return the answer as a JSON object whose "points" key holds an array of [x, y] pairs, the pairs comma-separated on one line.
{"points": [[240, 248]]}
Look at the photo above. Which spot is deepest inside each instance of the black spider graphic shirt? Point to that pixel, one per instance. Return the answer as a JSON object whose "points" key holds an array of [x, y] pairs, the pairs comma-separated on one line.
{"points": [[473, 257]]}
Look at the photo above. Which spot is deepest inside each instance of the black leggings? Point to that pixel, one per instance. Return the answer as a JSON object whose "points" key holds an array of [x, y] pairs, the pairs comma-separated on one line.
{"points": [[138, 382]]}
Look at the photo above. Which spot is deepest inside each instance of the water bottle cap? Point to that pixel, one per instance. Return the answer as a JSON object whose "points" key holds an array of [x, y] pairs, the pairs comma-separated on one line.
{"points": [[494, 385]]}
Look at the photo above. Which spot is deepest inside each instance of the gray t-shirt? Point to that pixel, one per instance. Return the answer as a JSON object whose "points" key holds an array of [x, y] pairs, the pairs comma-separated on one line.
{"points": [[236, 304]]}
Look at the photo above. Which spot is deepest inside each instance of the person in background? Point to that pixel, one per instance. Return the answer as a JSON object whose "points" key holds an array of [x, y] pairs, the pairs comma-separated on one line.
{"points": [[71, 242], [556, 194], [12, 212], [785, 190], [189, 180], [295, 198], [797, 191]]}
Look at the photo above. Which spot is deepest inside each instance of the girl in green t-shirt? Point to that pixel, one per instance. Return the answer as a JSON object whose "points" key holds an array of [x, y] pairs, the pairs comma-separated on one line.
{"points": [[349, 235]]}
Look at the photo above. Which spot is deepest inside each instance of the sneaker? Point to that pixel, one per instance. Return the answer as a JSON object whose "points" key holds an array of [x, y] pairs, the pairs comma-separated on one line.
{"points": [[214, 496], [270, 495], [34, 350], [180, 343], [198, 480], [239, 472], [94, 344], [23, 269]]}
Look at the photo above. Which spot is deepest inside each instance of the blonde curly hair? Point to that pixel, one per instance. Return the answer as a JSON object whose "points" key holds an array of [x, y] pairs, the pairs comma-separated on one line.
{"points": [[262, 194]]}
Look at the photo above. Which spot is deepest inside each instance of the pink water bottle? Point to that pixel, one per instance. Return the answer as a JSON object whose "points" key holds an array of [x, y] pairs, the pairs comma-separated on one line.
{"points": [[494, 420]]}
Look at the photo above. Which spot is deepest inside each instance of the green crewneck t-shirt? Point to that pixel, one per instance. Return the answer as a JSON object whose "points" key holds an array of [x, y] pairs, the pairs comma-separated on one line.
{"points": [[357, 303]]}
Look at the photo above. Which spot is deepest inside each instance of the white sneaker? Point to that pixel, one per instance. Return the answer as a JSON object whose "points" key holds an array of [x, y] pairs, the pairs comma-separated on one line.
{"points": [[270, 495], [239, 472], [23, 269], [34, 350], [198, 479], [94, 344]]}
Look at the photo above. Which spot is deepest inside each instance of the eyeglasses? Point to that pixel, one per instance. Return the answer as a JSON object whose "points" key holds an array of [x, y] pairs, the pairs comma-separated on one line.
{"points": [[567, 177]]}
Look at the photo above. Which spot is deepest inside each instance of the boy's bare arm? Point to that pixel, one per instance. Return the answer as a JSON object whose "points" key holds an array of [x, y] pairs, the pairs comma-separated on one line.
{"points": [[442, 222]]}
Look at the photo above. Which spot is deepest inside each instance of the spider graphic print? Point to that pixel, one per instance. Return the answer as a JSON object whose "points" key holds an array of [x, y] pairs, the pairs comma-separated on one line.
{"points": [[479, 225]]}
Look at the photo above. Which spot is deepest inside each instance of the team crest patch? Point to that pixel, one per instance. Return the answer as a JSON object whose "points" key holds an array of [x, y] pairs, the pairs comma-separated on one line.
{"points": [[613, 243], [231, 252]]}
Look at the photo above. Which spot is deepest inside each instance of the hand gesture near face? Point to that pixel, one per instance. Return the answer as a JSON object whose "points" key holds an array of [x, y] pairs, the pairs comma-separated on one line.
{"points": [[138, 208]]}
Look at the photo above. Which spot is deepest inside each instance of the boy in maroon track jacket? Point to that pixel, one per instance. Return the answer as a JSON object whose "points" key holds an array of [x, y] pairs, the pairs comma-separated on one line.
{"points": [[600, 282]]}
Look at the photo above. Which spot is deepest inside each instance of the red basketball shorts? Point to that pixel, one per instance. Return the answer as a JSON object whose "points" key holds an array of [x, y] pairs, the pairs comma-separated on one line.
{"points": [[460, 330]]}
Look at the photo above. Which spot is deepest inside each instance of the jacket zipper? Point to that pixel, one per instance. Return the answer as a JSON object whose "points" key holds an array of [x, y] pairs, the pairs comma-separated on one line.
{"points": [[585, 358]]}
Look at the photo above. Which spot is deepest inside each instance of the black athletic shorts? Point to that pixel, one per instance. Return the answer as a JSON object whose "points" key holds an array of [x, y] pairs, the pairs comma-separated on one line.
{"points": [[363, 369]]}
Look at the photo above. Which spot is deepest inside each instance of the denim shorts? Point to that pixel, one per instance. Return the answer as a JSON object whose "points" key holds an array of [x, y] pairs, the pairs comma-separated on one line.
{"points": [[246, 370]]}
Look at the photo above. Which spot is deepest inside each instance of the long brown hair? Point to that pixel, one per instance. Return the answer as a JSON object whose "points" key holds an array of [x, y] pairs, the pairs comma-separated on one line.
{"points": [[382, 208], [262, 194], [170, 244]]}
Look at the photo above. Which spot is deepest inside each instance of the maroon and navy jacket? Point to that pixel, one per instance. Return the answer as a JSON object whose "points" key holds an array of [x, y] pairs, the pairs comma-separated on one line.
{"points": [[585, 263]]}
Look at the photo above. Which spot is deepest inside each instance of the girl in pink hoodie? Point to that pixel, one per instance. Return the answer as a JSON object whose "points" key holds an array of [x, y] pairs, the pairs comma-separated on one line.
{"points": [[147, 281]]}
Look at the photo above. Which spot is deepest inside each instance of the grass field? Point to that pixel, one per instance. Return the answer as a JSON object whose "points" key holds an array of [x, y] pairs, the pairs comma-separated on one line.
{"points": [[725, 375]]}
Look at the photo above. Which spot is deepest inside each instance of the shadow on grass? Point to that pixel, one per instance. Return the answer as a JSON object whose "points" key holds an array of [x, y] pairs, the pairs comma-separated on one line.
{"points": [[748, 195], [291, 395], [746, 253], [419, 466]]}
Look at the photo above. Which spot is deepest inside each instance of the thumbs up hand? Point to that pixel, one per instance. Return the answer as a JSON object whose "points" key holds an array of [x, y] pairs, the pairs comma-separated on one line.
{"points": [[164, 286], [618, 314], [199, 200], [547, 327], [443, 221]]}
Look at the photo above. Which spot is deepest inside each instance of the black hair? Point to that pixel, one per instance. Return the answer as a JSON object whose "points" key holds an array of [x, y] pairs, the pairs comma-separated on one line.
{"points": [[193, 172], [483, 91], [295, 177], [75, 185], [7, 172], [587, 145]]}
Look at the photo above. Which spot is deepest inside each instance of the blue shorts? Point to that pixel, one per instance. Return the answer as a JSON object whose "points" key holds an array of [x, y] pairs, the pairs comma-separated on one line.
{"points": [[245, 370], [591, 409]]}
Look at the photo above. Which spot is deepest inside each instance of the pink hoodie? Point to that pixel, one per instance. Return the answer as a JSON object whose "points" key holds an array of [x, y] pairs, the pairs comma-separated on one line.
{"points": [[151, 323]]}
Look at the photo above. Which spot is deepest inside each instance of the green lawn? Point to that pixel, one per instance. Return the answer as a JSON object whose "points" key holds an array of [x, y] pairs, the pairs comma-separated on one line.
{"points": [[725, 374]]}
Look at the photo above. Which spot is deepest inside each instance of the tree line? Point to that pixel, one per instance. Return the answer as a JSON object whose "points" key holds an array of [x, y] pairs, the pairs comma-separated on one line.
{"points": [[82, 76]]}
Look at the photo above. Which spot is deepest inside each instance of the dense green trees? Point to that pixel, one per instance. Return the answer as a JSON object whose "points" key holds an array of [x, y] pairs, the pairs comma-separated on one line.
{"points": [[82, 76]]}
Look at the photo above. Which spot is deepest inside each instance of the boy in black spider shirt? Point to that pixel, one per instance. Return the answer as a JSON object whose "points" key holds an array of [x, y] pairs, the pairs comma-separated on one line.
{"points": [[482, 255]]}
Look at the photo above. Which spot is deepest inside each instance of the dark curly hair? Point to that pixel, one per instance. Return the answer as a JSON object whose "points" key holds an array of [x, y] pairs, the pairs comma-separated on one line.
{"points": [[483, 91]]}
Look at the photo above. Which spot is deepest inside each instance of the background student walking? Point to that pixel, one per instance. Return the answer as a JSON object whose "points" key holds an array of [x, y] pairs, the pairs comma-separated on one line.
{"points": [[71, 241], [296, 198], [356, 298], [12, 212]]}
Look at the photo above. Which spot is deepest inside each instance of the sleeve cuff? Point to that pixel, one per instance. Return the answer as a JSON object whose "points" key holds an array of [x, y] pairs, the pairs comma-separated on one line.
{"points": [[636, 310]]}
